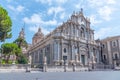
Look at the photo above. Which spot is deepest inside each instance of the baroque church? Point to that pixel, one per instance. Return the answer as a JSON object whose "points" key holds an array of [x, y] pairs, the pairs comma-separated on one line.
{"points": [[72, 42]]}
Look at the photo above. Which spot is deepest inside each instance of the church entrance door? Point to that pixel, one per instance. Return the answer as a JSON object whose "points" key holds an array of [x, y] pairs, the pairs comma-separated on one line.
{"points": [[65, 59], [83, 59]]}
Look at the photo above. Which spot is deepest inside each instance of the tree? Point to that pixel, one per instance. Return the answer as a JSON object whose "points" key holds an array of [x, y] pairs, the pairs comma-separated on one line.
{"points": [[22, 59], [21, 42], [10, 49], [5, 25]]}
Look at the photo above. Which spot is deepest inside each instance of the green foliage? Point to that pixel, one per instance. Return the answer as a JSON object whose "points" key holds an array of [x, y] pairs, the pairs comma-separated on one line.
{"points": [[9, 61], [3, 61], [5, 25], [10, 49], [22, 59], [21, 42]]}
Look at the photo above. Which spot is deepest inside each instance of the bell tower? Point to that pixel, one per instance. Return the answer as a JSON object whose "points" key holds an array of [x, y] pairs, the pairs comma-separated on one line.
{"points": [[22, 34]]}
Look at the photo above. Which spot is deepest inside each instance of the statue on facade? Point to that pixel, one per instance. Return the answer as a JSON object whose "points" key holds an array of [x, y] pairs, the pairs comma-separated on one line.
{"points": [[45, 60], [76, 58], [45, 64], [30, 59]]}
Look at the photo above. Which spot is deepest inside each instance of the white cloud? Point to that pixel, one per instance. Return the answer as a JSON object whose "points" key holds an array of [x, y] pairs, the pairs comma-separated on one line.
{"points": [[103, 32], [50, 2], [104, 8], [55, 10], [45, 1], [99, 3], [19, 8], [62, 16], [11, 7], [36, 19], [50, 22], [61, 1], [105, 12], [107, 32], [95, 3], [93, 20], [111, 1], [80, 5], [35, 29], [8, 0]]}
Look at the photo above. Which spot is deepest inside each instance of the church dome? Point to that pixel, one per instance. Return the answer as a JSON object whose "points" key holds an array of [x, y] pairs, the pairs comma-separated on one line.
{"points": [[39, 33], [38, 36]]}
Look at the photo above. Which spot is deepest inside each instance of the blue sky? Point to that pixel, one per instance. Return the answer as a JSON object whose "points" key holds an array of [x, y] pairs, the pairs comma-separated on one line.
{"points": [[48, 14]]}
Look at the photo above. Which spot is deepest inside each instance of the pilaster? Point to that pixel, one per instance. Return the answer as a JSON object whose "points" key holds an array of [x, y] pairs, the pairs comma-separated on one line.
{"points": [[119, 45], [109, 53]]}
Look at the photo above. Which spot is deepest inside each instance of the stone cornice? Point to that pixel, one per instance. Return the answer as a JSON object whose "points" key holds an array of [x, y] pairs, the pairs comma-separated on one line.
{"points": [[110, 38]]}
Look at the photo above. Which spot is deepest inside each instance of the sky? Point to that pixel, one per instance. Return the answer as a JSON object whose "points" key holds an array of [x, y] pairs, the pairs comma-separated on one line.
{"points": [[48, 14]]}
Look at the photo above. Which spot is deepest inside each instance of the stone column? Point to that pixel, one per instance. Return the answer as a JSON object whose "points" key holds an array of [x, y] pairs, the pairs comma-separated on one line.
{"points": [[74, 67], [65, 66], [89, 65], [45, 65], [109, 53], [114, 64], [61, 50], [30, 60], [58, 48], [119, 46], [93, 62], [38, 56]]}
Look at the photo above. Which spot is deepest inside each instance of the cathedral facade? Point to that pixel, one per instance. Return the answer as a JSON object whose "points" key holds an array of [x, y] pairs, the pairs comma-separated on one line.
{"points": [[71, 42]]}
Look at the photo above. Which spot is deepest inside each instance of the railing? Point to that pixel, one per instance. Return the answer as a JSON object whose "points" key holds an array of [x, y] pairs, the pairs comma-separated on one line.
{"points": [[68, 68], [102, 67], [55, 68]]}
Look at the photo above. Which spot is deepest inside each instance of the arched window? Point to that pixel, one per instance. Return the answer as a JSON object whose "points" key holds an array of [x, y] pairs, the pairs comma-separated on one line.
{"points": [[65, 50], [73, 30], [114, 43], [103, 45], [115, 55], [82, 33], [104, 57]]}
